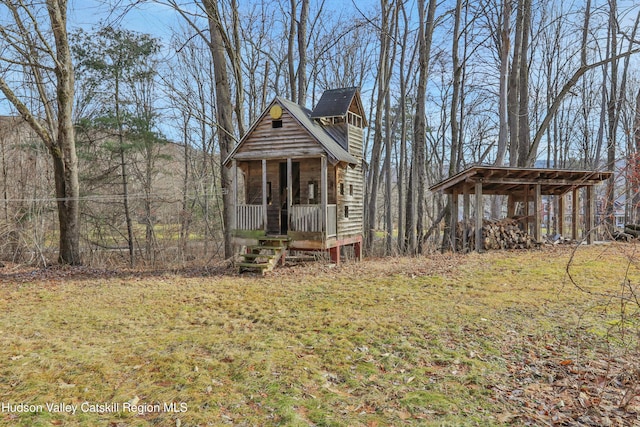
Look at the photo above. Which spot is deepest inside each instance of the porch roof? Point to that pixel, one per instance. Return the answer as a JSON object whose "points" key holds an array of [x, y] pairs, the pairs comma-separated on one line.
{"points": [[508, 180]]}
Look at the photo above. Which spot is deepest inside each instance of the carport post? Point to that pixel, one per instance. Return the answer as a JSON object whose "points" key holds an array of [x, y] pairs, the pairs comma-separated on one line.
{"points": [[479, 215], [466, 202], [588, 212], [454, 219]]}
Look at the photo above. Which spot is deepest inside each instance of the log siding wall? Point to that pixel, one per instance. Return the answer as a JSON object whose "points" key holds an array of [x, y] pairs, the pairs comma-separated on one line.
{"points": [[289, 141]]}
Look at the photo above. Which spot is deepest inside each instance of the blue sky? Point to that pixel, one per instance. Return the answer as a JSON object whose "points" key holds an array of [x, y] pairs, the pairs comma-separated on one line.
{"points": [[150, 18]]}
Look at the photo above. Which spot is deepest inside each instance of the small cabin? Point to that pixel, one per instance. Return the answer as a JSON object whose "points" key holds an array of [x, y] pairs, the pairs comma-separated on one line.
{"points": [[298, 177]]}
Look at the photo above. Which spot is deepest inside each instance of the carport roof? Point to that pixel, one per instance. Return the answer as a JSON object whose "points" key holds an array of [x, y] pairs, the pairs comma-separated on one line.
{"points": [[508, 180]]}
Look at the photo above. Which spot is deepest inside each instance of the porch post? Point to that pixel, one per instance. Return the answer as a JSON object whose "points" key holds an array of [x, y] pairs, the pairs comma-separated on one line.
{"points": [[560, 215], [537, 214], [479, 215], [323, 194], [264, 194], [527, 211], [574, 214], [234, 196], [289, 191]]}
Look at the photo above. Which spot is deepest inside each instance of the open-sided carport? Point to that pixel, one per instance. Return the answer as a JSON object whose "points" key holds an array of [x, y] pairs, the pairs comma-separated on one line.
{"points": [[520, 185]]}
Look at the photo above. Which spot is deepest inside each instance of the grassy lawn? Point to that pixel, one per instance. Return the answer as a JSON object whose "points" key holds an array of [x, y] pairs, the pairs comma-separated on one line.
{"points": [[502, 338]]}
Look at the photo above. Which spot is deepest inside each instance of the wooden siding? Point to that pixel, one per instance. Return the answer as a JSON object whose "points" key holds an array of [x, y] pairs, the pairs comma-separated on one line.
{"points": [[356, 142], [351, 178], [289, 141]]}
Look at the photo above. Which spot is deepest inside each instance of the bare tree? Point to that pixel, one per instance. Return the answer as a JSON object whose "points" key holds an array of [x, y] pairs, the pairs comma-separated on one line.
{"points": [[503, 41], [224, 110], [40, 62], [383, 82], [417, 180]]}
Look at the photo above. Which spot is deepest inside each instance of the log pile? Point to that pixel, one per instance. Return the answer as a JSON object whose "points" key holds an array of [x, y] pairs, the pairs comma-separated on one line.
{"points": [[502, 234], [631, 231]]}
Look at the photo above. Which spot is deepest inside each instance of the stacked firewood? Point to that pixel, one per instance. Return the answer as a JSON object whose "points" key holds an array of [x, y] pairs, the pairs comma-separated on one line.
{"points": [[501, 234], [631, 231]]}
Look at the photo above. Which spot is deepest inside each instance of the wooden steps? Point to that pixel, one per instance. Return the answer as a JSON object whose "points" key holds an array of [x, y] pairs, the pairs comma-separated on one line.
{"points": [[264, 256]]}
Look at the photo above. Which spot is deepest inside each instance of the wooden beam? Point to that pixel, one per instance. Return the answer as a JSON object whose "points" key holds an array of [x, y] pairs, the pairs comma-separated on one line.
{"points": [[466, 208], [234, 197], [537, 214], [324, 192], [574, 214], [560, 215], [527, 211], [588, 212], [264, 194], [289, 191], [454, 219], [479, 215]]}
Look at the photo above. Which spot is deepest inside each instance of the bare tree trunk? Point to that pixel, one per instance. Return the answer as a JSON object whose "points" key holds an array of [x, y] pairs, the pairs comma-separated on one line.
{"points": [[636, 172], [302, 53], [291, 51], [233, 50], [503, 132], [415, 225], [185, 212], [449, 233], [224, 114], [524, 130], [383, 82], [125, 202], [612, 107], [513, 105], [124, 176], [401, 176], [58, 133]]}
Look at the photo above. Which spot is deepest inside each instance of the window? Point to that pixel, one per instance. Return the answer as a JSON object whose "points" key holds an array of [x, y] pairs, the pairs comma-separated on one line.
{"points": [[346, 211], [313, 192], [276, 124], [351, 189], [342, 189]]}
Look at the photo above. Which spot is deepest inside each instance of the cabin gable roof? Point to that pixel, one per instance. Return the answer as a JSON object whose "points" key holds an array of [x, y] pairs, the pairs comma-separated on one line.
{"points": [[335, 152]]}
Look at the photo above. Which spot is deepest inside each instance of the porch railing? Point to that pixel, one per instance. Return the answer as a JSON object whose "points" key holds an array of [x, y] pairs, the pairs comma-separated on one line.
{"points": [[249, 217], [309, 218], [306, 218]]}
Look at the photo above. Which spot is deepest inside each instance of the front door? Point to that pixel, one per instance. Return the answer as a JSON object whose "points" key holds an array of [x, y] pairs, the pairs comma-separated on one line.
{"points": [[295, 189]]}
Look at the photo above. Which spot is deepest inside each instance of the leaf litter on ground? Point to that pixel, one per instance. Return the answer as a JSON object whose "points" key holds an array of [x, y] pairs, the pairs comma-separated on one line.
{"points": [[501, 338]]}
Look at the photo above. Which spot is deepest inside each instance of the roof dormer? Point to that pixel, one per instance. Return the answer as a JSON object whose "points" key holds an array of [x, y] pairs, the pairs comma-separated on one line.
{"points": [[340, 106]]}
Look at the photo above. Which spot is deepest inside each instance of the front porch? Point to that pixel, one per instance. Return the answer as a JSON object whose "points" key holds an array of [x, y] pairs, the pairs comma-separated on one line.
{"points": [[293, 197], [308, 219]]}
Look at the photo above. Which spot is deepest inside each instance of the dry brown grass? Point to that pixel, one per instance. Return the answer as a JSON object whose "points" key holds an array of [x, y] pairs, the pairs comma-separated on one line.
{"points": [[444, 340]]}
